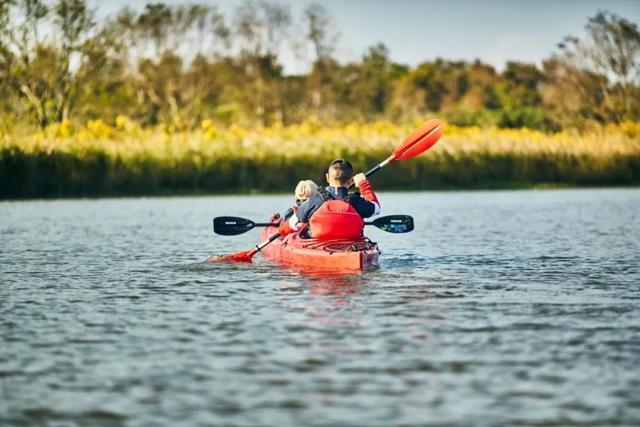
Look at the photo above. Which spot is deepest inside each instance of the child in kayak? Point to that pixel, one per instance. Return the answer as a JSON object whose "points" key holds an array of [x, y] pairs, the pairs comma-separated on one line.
{"points": [[305, 190], [333, 213]]}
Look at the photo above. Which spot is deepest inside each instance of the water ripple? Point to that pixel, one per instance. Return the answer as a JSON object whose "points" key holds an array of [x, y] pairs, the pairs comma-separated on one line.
{"points": [[499, 309]]}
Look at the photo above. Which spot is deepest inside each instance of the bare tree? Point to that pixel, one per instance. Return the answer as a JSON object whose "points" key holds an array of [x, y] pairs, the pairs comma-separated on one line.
{"points": [[161, 42], [262, 26], [74, 24], [322, 38], [42, 48], [320, 32], [608, 63], [19, 41]]}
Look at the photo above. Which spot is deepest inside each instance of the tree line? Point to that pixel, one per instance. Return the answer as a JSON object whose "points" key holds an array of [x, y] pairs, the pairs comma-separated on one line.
{"points": [[179, 65]]}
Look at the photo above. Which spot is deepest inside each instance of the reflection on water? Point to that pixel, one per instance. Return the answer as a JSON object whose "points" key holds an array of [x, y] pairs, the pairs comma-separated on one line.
{"points": [[500, 308]]}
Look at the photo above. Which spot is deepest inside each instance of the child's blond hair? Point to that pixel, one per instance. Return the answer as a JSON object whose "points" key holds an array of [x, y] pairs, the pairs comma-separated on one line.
{"points": [[305, 189]]}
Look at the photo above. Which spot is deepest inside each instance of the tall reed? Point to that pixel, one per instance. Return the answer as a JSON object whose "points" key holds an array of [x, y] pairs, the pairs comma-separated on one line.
{"points": [[124, 159]]}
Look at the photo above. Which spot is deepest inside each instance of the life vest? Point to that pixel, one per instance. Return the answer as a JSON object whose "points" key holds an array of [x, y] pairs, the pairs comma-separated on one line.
{"points": [[335, 219]]}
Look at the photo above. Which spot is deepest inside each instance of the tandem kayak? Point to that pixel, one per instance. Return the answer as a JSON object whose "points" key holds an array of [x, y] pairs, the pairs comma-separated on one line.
{"points": [[338, 255]]}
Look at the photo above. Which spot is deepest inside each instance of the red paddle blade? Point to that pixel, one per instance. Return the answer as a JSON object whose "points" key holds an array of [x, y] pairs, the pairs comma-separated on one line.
{"points": [[244, 256], [420, 140]]}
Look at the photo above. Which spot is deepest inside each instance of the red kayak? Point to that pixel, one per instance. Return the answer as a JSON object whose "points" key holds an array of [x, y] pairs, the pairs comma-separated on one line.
{"points": [[338, 255], [335, 255]]}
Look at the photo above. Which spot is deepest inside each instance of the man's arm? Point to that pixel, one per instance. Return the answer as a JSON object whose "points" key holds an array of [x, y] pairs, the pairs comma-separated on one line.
{"points": [[366, 190]]}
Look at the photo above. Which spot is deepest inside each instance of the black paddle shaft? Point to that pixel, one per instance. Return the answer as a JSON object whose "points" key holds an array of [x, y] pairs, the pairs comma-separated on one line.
{"points": [[375, 169], [371, 171], [231, 225], [393, 223]]}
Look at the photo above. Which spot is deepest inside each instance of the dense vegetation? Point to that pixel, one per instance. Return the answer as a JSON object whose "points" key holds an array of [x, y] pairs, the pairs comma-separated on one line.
{"points": [[186, 99], [130, 160], [179, 65]]}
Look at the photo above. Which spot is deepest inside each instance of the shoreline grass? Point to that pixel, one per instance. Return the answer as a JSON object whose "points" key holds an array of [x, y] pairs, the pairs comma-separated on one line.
{"points": [[125, 160]]}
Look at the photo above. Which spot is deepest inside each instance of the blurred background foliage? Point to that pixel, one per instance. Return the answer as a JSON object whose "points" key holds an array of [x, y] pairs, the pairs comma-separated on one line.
{"points": [[186, 99], [180, 65]]}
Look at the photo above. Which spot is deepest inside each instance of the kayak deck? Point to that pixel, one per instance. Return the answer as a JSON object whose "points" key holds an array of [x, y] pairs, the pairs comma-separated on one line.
{"points": [[339, 254]]}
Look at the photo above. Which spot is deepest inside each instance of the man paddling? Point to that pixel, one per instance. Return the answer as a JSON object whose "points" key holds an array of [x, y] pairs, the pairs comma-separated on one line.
{"points": [[333, 213]]}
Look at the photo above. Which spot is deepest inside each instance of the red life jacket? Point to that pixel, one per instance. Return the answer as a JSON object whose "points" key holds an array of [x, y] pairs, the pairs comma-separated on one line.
{"points": [[335, 219]]}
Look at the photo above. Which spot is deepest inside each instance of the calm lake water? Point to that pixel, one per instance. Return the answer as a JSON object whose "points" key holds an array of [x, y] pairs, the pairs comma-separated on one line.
{"points": [[501, 308]]}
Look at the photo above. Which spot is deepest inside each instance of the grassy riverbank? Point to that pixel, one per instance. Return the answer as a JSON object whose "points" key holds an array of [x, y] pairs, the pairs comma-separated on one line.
{"points": [[98, 159]]}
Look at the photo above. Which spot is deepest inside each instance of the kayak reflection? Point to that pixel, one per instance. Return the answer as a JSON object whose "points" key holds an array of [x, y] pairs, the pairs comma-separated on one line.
{"points": [[322, 281]]}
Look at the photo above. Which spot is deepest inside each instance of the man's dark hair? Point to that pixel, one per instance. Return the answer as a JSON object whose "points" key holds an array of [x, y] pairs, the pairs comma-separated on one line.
{"points": [[341, 170]]}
